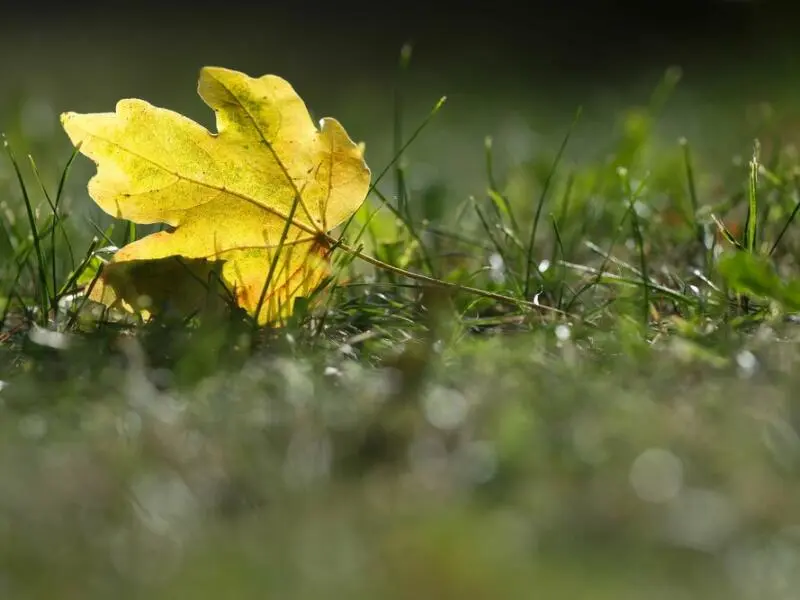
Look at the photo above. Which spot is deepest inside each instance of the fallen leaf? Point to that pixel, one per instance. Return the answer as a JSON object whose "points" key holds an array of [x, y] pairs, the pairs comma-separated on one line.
{"points": [[228, 196]]}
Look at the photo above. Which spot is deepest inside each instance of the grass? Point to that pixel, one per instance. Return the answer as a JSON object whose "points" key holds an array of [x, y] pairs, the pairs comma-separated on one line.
{"points": [[620, 426]]}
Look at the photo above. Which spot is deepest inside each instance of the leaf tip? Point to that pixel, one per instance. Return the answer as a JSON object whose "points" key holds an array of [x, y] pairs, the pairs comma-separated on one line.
{"points": [[66, 117]]}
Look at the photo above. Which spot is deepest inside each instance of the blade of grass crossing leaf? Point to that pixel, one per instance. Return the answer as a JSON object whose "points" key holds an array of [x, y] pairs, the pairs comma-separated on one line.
{"points": [[42, 267], [300, 292], [274, 263], [542, 197]]}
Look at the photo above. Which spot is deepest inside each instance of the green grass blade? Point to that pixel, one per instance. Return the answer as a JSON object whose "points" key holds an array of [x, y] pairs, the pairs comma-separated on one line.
{"points": [[437, 107], [639, 239], [501, 203], [274, 262], [400, 215], [73, 317], [412, 230], [602, 276], [788, 222], [66, 288], [55, 204], [694, 203], [400, 183], [558, 249], [727, 234], [542, 197], [44, 296], [599, 272], [751, 225], [498, 247]]}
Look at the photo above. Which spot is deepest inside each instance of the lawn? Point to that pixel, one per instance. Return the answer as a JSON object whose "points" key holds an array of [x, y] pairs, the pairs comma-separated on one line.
{"points": [[606, 412]]}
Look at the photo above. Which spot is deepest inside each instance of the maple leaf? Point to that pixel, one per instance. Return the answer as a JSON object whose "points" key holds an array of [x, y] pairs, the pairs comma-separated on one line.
{"points": [[259, 196]]}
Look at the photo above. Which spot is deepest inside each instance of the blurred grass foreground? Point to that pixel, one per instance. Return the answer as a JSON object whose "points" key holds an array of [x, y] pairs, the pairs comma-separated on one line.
{"points": [[406, 441]]}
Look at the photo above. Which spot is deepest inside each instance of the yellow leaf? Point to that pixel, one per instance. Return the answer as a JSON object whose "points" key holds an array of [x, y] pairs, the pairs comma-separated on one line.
{"points": [[227, 196]]}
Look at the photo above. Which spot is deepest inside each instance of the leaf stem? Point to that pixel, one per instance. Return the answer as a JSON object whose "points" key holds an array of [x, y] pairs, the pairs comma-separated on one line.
{"points": [[439, 282]]}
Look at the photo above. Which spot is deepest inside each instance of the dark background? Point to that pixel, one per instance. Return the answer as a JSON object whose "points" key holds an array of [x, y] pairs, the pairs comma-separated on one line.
{"points": [[570, 34]]}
